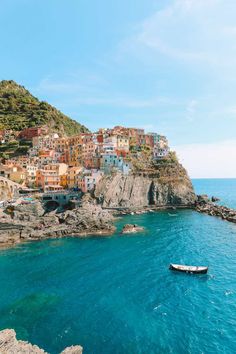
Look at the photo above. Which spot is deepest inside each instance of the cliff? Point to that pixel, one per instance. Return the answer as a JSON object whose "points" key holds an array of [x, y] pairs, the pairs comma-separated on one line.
{"points": [[10, 345], [30, 222], [166, 184], [19, 109]]}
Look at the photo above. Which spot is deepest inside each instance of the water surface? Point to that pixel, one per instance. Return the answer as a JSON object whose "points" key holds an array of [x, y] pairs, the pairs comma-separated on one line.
{"points": [[117, 295], [223, 188]]}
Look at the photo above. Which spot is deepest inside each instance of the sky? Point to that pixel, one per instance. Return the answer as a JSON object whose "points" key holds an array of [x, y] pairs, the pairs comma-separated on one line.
{"points": [[168, 66]]}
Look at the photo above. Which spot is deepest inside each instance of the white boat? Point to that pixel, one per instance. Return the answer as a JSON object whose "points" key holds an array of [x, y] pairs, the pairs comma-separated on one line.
{"points": [[188, 269]]}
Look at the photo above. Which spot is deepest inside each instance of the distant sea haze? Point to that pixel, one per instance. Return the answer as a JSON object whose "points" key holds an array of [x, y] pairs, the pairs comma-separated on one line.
{"points": [[116, 295]]}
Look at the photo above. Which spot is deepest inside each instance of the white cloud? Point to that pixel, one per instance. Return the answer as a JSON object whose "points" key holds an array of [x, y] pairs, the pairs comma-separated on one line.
{"points": [[191, 109], [192, 31], [215, 160]]}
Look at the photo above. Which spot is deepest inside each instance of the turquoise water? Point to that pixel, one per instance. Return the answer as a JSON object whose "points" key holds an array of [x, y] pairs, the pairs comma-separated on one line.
{"points": [[225, 189], [116, 295]]}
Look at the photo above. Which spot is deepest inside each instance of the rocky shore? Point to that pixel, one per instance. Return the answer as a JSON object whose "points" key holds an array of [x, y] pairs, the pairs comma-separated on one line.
{"points": [[10, 345], [206, 206], [30, 222]]}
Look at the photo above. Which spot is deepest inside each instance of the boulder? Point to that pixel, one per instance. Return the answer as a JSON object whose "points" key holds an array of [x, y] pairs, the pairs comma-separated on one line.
{"points": [[217, 210], [75, 349], [35, 208], [10, 345], [203, 199], [215, 199], [131, 228]]}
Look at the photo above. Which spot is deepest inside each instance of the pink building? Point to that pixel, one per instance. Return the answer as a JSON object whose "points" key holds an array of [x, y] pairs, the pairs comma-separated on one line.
{"points": [[88, 180]]}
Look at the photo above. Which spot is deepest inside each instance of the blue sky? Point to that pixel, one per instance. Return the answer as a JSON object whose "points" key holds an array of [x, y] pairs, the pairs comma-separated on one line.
{"points": [[165, 65]]}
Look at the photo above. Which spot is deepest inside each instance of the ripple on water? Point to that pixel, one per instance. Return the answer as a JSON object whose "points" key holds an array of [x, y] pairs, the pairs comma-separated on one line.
{"points": [[117, 295]]}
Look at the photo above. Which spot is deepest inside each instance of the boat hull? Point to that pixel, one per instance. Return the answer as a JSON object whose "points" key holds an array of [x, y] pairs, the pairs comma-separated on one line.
{"points": [[188, 269]]}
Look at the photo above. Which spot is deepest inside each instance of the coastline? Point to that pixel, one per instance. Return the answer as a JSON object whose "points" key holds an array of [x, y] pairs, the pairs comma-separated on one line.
{"points": [[9, 344], [101, 233], [14, 233], [105, 262], [31, 223]]}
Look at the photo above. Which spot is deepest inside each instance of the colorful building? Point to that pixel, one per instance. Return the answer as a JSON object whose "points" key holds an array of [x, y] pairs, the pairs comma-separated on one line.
{"points": [[31, 171], [88, 180], [112, 162], [49, 177], [30, 133], [72, 177]]}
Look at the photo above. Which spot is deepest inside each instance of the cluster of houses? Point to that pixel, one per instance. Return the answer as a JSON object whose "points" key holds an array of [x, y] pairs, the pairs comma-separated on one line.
{"points": [[78, 162]]}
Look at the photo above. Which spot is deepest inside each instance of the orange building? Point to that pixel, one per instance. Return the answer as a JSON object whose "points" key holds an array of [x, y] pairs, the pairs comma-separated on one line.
{"points": [[50, 176]]}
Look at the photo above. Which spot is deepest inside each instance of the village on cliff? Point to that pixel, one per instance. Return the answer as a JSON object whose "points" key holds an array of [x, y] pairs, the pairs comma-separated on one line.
{"points": [[54, 163]]}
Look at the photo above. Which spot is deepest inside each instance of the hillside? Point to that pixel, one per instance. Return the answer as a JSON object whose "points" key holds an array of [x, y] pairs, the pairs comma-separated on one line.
{"points": [[19, 109]]}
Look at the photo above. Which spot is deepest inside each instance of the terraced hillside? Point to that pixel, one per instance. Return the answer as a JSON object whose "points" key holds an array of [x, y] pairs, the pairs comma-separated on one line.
{"points": [[19, 109]]}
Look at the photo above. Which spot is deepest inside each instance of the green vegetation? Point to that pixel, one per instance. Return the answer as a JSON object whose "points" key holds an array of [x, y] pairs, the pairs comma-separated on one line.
{"points": [[142, 159], [19, 110], [14, 148]]}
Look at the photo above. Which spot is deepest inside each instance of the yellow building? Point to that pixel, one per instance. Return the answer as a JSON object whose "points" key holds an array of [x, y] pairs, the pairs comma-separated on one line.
{"points": [[63, 180], [72, 177], [122, 143]]}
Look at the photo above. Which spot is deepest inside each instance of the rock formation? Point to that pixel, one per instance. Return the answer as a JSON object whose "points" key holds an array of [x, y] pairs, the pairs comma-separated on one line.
{"points": [[208, 207], [5, 193], [131, 229], [166, 185], [10, 345], [29, 222]]}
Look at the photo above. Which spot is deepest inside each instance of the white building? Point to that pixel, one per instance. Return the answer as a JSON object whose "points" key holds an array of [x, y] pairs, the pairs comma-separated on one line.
{"points": [[31, 174]]}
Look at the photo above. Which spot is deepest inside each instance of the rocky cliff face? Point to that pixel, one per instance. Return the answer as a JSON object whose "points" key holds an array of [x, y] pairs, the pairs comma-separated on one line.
{"points": [[28, 223], [166, 185], [10, 345]]}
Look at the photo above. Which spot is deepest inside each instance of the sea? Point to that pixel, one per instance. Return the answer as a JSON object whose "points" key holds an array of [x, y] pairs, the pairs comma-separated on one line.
{"points": [[116, 295]]}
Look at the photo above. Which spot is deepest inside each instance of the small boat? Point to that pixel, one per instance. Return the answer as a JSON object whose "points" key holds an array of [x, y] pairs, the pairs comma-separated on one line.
{"points": [[188, 269], [172, 214]]}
